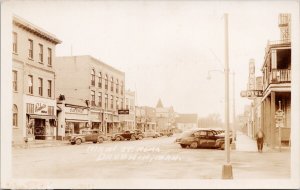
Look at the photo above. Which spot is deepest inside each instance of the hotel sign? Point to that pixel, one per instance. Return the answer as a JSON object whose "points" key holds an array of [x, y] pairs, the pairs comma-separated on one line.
{"points": [[123, 112], [251, 93]]}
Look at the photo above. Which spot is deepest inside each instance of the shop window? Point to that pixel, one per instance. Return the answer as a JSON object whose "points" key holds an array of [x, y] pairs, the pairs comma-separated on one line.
{"points": [[30, 50], [15, 116], [15, 42], [15, 81]]}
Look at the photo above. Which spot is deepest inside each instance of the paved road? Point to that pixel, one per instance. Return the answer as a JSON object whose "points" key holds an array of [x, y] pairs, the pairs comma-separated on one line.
{"points": [[149, 158]]}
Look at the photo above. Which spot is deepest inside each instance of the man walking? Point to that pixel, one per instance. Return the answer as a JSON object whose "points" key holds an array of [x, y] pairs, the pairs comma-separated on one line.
{"points": [[260, 140]]}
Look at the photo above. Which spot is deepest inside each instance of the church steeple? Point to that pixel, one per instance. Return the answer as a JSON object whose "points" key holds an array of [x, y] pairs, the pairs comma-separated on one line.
{"points": [[159, 104]]}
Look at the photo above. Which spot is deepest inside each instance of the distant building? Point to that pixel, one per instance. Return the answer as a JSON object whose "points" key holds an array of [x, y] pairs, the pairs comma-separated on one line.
{"points": [[165, 117], [150, 119], [186, 121], [140, 118], [34, 103], [100, 85]]}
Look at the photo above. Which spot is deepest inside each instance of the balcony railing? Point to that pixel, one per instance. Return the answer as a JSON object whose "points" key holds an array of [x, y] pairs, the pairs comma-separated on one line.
{"points": [[278, 76]]}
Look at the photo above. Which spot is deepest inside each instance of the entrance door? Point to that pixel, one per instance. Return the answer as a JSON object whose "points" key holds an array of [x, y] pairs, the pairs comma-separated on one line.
{"points": [[76, 128]]}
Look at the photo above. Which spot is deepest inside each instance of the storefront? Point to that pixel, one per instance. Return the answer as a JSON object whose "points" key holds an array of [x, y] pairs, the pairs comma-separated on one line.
{"points": [[72, 119], [41, 121], [96, 120]]}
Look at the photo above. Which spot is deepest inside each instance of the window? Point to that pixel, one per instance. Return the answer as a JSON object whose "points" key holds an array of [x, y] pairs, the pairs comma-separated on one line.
{"points": [[15, 42], [30, 84], [127, 103], [15, 115], [100, 99], [93, 98], [30, 55], [40, 86], [106, 82], [41, 53], [112, 84], [49, 57], [15, 80], [100, 80], [121, 87], [121, 103], [106, 101], [29, 108], [117, 86], [49, 88], [117, 103], [112, 102], [93, 77]]}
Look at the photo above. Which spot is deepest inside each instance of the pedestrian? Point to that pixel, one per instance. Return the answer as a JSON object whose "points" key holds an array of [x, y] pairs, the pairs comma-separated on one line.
{"points": [[260, 140]]}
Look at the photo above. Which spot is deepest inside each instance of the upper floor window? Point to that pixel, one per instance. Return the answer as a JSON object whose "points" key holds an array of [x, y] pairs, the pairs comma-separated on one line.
{"points": [[117, 86], [100, 80], [30, 84], [112, 102], [93, 98], [121, 87], [106, 82], [121, 103], [112, 84], [93, 77], [106, 101], [127, 103], [41, 53], [49, 57], [117, 103], [40, 86], [15, 115], [100, 99], [30, 53], [15, 80], [49, 88], [15, 42]]}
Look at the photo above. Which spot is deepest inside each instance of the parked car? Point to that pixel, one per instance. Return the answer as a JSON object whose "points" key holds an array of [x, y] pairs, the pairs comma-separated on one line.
{"points": [[88, 136], [152, 134], [128, 135], [202, 138]]}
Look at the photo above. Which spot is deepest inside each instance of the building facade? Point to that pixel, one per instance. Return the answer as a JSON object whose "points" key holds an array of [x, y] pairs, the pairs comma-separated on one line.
{"points": [[34, 104], [96, 83], [165, 117], [186, 122], [277, 84], [128, 120]]}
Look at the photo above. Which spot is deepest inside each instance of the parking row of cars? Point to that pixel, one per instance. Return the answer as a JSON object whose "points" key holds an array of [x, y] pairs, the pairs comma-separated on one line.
{"points": [[203, 138], [96, 136]]}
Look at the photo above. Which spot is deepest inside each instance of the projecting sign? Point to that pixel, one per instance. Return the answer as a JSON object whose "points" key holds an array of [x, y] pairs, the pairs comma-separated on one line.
{"points": [[123, 111], [251, 93]]}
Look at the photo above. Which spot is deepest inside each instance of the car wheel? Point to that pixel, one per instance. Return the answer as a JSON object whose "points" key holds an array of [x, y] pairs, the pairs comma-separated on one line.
{"points": [[183, 145], [194, 145], [78, 141], [72, 143], [118, 138], [100, 140], [223, 146]]}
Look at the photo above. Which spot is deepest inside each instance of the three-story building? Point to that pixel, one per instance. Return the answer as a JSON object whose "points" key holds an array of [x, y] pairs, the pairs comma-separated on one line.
{"points": [[34, 104]]}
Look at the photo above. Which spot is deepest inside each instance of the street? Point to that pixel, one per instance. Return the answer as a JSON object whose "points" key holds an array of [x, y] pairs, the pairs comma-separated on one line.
{"points": [[150, 158]]}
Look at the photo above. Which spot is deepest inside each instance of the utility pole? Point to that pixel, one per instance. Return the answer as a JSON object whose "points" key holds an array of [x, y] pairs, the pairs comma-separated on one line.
{"points": [[233, 145], [227, 168]]}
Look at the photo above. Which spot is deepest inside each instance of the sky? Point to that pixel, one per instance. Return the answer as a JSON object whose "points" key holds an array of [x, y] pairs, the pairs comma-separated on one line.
{"points": [[165, 48]]}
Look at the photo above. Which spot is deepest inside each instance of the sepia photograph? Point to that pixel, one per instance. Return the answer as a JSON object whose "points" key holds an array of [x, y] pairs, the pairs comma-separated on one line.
{"points": [[150, 94]]}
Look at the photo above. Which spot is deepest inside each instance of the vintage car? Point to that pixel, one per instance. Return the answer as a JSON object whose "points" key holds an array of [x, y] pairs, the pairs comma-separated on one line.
{"points": [[128, 135], [88, 136], [152, 134], [202, 138]]}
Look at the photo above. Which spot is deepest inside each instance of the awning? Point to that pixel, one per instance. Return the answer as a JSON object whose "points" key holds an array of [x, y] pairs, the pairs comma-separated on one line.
{"points": [[42, 116], [76, 120]]}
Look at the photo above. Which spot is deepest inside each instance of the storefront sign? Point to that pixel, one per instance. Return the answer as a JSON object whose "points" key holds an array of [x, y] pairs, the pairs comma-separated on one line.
{"points": [[123, 111], [76, 110], [251, 93]]}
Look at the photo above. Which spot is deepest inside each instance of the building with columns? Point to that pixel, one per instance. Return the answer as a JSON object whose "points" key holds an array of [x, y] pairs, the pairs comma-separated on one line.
{"points": [[99, 85], [33, 74]]}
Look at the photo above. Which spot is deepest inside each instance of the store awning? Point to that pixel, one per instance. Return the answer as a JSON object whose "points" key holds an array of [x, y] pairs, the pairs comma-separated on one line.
{"points": [[42, 116], [76, 120]]}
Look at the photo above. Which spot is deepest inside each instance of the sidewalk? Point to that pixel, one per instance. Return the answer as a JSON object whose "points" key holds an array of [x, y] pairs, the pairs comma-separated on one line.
{"points": [[41, 143], [246, 143]]}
